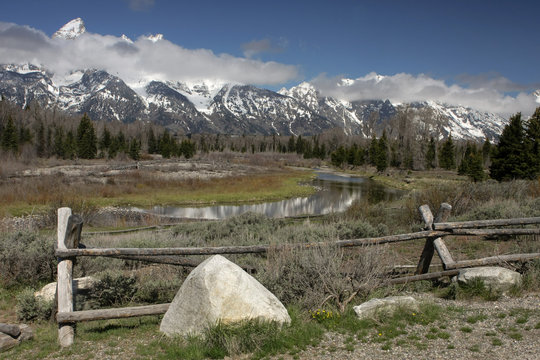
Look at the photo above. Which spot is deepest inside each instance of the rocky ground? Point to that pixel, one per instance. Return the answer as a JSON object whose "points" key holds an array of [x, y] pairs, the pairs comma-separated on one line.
{"points": [[505, 329]]}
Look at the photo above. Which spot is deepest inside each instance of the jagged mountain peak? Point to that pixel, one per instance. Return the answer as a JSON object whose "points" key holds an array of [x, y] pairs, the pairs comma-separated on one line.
{"points": [[71, 30], [220, 106], [22, 68], [537, 95], [126, 39]]}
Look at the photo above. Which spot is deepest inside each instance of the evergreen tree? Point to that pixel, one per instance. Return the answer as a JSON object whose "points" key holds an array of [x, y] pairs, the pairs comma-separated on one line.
{"points": [[49, 141], [463, 168], [106, 140], [373, 151], [359, 157], [510, 159], [187, 149], [395, 160], [308, 151], [447, 154], [381, 161], [135, 149], [122, 142], [532, 134], [292, 144], [165, 145], [40, 140], [70, 146], [475, 170], [339, 156], [351, 154], [24, 135], [300, 145], [58, 149], [10, 140], [486, 151], [431, 154], [322, 152], [408, 160], [86, 139], [152, 142], [114, 148]]}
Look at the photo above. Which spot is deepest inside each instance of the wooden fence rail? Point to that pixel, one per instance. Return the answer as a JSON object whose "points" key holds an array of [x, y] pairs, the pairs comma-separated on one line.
{"points": [[69, 232]]}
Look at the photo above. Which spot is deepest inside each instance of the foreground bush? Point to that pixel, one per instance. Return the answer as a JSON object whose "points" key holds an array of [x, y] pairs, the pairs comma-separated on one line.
{"points": [[325, 274], [32, 308], [26, 258]]}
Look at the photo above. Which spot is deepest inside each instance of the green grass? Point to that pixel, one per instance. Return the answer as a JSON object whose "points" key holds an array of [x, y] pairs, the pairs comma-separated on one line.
{"points": [[476, 318], [147, 191]]}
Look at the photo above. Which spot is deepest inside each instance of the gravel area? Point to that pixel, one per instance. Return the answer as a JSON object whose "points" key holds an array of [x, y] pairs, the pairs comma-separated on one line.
{"points": [[491, 338]]}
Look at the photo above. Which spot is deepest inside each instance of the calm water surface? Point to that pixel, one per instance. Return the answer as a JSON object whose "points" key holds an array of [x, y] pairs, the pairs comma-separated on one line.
{"points": [[336, 194]]}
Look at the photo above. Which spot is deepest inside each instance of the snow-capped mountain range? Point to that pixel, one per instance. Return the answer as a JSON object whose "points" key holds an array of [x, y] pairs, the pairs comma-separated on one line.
{"points": [[219, 107]]}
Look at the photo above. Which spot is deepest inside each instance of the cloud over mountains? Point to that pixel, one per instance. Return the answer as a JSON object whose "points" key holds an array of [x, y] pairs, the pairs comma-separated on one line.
{"points": [[401, 88], [142, 59], [148, 58]]}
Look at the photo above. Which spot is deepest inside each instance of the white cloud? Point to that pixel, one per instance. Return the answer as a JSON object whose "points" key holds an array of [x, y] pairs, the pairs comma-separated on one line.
{"points": [[403, 87], [141, 60]]}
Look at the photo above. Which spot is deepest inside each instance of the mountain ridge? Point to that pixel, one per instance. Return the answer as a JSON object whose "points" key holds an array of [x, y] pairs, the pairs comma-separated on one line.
{"points": [[220, 107]]}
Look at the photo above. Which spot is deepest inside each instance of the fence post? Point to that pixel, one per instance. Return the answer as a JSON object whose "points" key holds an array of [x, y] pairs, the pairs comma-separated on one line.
{"points": [[431, 244], [68, 236]]}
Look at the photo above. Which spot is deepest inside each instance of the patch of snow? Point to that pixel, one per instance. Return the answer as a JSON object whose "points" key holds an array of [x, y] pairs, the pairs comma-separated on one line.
{"points": [[71, 30], [73, 77], [346, 82], [126, 39], [200, 93], [154, 38], [22, 68]]}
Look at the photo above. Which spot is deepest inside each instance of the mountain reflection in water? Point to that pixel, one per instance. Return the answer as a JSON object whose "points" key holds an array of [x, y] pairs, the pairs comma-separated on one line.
{"points": [[336, 194]]}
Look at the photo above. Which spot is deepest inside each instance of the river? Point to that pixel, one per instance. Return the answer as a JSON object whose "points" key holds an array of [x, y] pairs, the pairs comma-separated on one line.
{"points": [[335, 193]]}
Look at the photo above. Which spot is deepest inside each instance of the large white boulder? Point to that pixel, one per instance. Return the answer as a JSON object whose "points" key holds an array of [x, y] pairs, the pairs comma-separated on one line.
{"points": [[497, 278], [390, 304], [220, 291]]}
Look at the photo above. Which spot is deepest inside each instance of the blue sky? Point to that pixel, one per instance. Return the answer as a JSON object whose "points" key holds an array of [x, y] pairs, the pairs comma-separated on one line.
{"points": [[493, 45]]}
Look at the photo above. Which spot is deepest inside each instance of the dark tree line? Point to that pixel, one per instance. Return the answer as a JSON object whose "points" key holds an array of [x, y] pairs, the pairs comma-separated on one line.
{"points": [[35, 132], [517, 154]]}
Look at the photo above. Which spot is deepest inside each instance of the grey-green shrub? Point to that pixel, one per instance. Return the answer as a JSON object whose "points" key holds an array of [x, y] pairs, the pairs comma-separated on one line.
{"points": [[32, 308], [113, 288], [26, 258]]}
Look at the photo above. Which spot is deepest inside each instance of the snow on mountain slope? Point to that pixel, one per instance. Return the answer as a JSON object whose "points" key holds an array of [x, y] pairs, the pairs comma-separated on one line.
{"points": [[201, 94], [214, 106], [71, 30]]}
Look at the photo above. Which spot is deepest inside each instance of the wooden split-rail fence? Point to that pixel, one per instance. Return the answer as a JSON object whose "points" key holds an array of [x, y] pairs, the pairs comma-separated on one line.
{"points": [[436, 228]]}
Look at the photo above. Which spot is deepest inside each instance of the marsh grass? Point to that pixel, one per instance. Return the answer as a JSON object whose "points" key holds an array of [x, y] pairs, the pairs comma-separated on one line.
{"points": [[141, 188]]}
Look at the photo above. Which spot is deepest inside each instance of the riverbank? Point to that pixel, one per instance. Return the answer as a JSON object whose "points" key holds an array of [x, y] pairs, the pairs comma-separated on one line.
{"points": [[406, 179], [87, 187]]}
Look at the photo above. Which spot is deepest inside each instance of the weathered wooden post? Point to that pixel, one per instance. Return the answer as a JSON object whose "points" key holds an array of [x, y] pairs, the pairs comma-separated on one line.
{"points": [[434, 244], [68, 236]]}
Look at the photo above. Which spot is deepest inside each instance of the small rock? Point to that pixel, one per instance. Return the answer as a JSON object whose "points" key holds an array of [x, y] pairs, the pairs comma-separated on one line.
{"points": [[7, 342], [497, 278], [26, 333], [11, 330], [389, 304], [219, 290]]}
